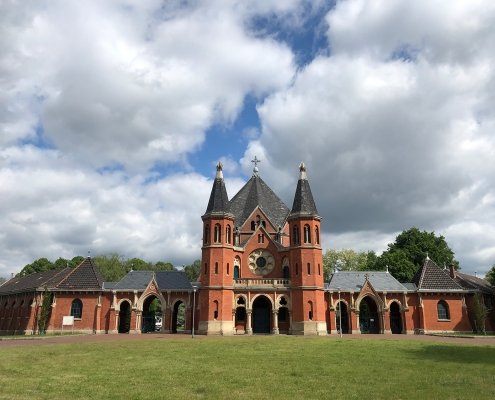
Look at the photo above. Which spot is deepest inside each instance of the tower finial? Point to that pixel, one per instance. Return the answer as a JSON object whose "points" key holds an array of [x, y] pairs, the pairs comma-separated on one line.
{"points": [[255, 161], [302, 171], [427, 257], [219, 174]]}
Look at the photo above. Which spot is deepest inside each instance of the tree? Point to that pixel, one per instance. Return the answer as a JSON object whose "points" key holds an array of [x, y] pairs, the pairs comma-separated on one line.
{"points": [[480, 312], [409, 251], [192, 271], [112, 267], [136, 264], [45, 312], [346, 260], [490, 275], [163, 266], [40, 265]]}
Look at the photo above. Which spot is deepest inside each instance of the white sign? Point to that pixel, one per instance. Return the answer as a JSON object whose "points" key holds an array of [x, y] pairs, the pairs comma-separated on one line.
{"points": [[69, 320]]}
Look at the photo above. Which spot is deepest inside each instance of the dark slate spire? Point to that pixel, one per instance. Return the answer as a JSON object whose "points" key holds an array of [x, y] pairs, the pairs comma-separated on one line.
{"points": [[219, 201], [256, 193], [304, 205]]}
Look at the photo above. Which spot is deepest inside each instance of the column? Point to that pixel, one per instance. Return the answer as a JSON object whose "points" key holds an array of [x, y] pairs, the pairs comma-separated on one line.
{"points": [[249, 329], [275, 330]]}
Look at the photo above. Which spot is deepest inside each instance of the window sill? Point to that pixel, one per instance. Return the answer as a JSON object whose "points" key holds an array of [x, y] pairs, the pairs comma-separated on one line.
{"points": [[443, 320]]}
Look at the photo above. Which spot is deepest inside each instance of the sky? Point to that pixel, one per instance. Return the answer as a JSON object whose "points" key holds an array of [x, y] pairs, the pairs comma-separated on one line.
{"points": [[113, 115]]}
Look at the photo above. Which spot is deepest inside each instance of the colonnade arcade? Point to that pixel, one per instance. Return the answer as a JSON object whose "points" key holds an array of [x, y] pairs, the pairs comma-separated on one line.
{"points": [[367, 313], [141, 312], [261, 313]]}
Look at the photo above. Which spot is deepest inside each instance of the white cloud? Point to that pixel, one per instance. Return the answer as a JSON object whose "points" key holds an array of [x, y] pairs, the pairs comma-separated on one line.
{"points": [[390, 142]]}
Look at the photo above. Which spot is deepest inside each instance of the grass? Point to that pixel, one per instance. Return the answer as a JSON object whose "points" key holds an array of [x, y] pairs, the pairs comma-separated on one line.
{"points": [[248, 368]]}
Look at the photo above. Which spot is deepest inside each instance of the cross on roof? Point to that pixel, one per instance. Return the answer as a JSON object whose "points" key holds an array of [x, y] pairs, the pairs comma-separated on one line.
{"points": [[255, 162]]}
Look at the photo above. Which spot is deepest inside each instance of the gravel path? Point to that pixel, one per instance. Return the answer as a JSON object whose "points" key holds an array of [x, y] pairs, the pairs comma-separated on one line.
{"points": [[53, 340]]}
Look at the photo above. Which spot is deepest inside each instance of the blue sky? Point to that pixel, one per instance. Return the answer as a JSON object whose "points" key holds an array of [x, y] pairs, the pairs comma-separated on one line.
{"points": [[115, 113]]}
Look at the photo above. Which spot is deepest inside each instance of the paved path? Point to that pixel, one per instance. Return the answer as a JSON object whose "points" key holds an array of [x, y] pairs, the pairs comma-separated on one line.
{"points": [[37, 341]]}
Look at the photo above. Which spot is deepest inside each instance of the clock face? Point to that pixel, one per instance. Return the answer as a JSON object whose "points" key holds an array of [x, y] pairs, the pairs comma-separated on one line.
{"points": [[261, 262]]}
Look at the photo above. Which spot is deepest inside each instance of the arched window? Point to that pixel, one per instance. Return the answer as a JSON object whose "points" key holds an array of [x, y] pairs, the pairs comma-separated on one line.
{"points": [[307, 234], [228, 268], [310, 310], [218, 233], [206, 236], [295, 235], [263, 223], [227, 234], [286, 272], [236, 272], [76, 308], [317, 235], [297, 269], [309, 269], [319, 269], [253, 225], [206, 268], [216, 268], [443, 310], [215, 309]]}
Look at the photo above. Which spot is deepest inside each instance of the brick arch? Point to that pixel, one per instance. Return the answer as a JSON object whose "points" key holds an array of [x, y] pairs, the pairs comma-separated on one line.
{"points": [[147, 295], [262, 294], [375, 298], [236, 297], [117, 307], [394, 301]]}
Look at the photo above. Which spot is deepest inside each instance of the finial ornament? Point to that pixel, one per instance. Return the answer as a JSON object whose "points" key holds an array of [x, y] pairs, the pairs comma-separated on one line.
{"points": [[219, 174], [427, 257], [255, 161], [302, 171]]}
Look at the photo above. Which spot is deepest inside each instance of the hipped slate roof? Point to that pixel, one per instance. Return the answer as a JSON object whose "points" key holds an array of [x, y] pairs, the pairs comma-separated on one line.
{"points": [[83, 277], [257, 193], [166, 280], [353, 281], [474, 283], [431, 277], [34, 281]]}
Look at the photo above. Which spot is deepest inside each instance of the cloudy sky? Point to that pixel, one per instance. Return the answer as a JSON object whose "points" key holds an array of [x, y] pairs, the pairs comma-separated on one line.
{"points": [[113, 115]]}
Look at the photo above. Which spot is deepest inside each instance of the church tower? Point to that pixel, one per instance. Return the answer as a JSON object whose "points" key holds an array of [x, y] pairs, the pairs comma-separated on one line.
{"points": [[261, 267], [308, 305], [216, 262]]}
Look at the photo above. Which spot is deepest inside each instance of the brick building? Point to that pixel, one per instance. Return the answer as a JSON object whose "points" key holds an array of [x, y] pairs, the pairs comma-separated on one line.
{"points": [[261, 272]]}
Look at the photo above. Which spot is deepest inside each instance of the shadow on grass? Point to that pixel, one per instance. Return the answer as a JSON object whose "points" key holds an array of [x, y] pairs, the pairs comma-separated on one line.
{"points": [[455, 354]]}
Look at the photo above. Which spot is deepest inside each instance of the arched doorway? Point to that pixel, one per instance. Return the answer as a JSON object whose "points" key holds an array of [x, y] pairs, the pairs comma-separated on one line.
{"points": [[395, 318], [262, 309], [179, 317], [124, 317], [342, 307], [152, 314], [368, 316]]}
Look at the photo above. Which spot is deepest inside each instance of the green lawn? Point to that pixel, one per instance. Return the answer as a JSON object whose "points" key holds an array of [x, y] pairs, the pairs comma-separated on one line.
{"points": [[266, 367]]}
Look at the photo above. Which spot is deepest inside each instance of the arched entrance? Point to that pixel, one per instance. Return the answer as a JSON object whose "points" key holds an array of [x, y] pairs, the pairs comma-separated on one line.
{"points": [[262, 309], [152, 313], [179, 317], [395, 318], [342, 307], [124, 317], [368, 316]]}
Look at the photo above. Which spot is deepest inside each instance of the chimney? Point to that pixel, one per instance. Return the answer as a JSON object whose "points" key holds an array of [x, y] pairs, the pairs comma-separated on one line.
{"points": [[452, 271]]}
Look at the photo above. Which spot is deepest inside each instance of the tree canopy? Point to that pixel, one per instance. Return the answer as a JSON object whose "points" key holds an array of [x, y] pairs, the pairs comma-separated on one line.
{"points": [[403, 257], [408, 253], [111, 266], [192, 271], [490, 275]]}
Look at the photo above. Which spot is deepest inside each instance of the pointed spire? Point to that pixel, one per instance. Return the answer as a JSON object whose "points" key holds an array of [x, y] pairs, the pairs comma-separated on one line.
{"points": [[304, 204], [219, 201], [219, 174]]}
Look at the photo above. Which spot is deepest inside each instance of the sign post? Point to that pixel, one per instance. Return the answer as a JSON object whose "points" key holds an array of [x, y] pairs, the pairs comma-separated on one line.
{"points": [[67, 320]]}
